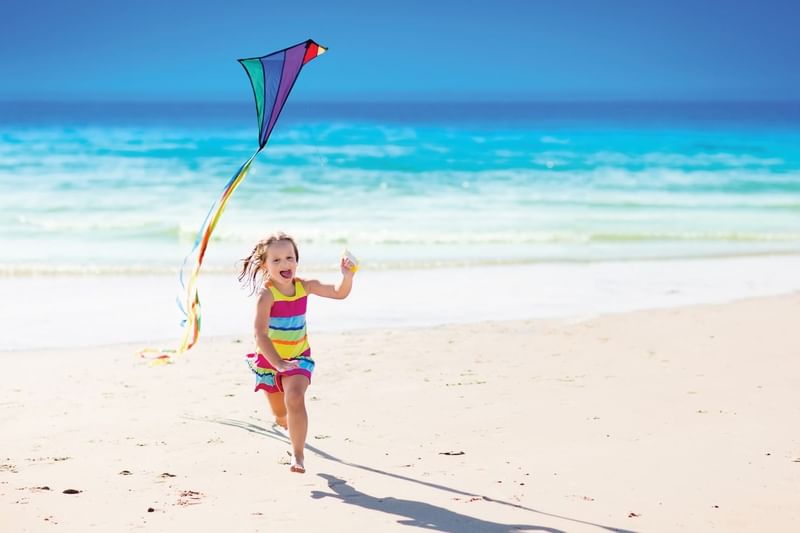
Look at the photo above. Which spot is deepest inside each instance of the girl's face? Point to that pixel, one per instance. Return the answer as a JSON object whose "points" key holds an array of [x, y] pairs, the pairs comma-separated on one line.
{"points": [[281, 262]]}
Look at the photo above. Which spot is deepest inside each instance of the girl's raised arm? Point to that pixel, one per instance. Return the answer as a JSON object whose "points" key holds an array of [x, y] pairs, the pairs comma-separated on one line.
{"points": [[328, 290]]}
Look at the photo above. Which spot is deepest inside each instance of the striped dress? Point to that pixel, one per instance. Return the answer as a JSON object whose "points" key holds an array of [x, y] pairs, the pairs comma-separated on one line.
{"points": [[287, 331]]}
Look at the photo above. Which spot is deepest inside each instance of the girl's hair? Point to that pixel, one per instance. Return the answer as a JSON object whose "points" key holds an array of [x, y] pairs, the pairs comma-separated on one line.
{"points": [[255, 264]]}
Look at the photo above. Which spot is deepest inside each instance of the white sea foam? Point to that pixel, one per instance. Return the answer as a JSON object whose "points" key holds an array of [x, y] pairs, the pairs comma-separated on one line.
{"points": [[350, 151], [549, 139], [658, 159]]}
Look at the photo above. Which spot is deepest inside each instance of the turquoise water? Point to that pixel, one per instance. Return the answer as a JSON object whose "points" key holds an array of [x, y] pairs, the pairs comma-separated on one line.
{"points": [[125, 190]]}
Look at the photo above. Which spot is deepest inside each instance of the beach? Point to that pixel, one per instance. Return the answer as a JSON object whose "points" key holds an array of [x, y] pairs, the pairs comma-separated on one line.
{"points": [[570, 317], [675, 419]]}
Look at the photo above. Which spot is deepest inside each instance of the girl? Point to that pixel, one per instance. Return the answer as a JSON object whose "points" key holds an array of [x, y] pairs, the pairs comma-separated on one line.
{"points": [[282, 362]]}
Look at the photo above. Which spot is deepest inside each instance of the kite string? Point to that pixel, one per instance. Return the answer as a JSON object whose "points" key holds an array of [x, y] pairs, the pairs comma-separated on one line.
{"points": [[203, 226], [191, 311], [192, 299]]}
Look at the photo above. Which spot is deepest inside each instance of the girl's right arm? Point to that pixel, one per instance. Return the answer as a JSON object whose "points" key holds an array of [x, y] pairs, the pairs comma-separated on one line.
{"points": [[260, 330]]}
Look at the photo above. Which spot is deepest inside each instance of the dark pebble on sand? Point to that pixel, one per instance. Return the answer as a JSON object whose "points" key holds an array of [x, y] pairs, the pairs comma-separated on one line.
{"points": [[150, 510], [72, 491]]}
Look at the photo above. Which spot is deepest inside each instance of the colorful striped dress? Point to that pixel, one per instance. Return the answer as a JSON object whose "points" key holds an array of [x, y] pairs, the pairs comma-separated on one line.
{"points": [[287, 331]]}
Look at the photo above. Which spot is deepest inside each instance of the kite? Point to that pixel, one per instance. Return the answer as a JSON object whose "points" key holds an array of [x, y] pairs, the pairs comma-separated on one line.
{"points": [[272, 76]]}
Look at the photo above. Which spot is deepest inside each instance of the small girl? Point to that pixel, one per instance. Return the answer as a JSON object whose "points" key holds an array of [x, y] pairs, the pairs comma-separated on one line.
{"points": [[282, 362]]}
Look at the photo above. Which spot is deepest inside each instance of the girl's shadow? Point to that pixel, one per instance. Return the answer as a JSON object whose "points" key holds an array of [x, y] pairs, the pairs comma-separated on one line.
{"points": [[419, 514]]}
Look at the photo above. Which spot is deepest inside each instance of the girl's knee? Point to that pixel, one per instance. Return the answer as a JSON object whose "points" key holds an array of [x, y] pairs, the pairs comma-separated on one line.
{"points": [[295, 399]]}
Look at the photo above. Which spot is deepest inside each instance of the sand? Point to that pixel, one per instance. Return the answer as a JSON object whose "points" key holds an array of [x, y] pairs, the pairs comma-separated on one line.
{"points": [[680, 419], [89, 310]]}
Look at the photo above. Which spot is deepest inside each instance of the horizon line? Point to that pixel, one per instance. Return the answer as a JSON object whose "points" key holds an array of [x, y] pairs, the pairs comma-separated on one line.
{"points": [[433, 100]]}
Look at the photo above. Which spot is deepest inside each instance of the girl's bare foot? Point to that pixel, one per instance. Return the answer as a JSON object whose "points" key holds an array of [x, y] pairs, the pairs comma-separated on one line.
{"points": [[297, 465], [281, 421]]}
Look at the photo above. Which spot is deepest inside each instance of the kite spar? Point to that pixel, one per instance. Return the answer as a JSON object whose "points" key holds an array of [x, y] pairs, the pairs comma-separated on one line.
{"points": [[272, 76]]}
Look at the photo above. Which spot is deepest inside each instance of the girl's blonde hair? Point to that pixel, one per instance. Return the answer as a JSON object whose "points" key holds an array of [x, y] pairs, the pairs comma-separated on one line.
{"points": [[255, 264]]}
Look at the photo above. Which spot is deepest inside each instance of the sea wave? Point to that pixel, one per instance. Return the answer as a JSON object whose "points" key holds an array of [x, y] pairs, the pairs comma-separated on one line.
{"points": [[594, 225], [350, 151]]}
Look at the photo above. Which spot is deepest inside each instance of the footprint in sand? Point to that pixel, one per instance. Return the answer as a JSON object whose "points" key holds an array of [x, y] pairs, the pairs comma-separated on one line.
{"points": [[190, 497]]}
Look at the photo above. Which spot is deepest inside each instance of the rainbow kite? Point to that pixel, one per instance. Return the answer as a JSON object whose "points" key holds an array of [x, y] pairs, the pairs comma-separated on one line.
{"points": [[272, 77]]}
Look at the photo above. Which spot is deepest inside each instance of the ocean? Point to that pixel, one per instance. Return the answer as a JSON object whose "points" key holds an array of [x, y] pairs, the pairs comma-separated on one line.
{"points": [[121, 188]]}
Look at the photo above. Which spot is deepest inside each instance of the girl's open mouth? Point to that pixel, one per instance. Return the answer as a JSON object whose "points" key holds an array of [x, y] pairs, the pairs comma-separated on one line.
{"points": [[286, 274]]}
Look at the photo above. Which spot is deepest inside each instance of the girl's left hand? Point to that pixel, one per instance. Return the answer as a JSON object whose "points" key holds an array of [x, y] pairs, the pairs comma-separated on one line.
{"points": [[348, 267]]}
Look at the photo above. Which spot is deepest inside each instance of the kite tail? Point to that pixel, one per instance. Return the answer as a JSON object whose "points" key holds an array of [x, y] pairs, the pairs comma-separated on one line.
{"points": [[191, 309]]}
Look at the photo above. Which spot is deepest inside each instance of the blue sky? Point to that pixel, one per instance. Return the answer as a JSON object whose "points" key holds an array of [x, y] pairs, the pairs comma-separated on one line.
{"points": [[409, 49]]}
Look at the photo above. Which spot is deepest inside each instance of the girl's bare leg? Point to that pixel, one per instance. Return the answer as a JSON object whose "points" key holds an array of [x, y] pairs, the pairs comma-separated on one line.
{"points": [[278, 406], [294, 393]]}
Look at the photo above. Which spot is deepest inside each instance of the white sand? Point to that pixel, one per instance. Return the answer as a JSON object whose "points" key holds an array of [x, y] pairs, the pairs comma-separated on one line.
{"points": [[679, 419]]}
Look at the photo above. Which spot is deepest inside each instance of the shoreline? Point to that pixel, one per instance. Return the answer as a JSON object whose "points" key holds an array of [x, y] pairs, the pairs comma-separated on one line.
{"points": [[104, 310], [133, 346]]}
